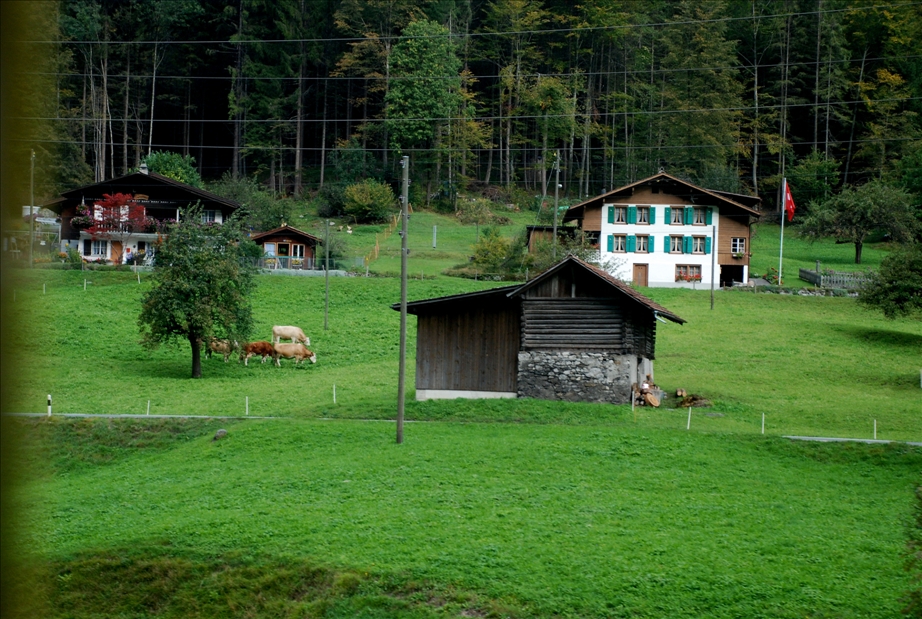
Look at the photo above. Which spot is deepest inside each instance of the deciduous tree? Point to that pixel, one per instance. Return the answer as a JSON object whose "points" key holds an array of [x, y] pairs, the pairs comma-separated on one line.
{"points": [[200, 288], [896, 290]]}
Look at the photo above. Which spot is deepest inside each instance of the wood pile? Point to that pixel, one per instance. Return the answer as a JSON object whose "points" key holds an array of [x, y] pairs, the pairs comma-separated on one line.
{"points": [[693, 399], [645, 394]]}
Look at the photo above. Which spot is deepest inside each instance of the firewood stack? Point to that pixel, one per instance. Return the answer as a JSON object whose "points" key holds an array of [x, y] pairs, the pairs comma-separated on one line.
{"points": [[644, 393]]}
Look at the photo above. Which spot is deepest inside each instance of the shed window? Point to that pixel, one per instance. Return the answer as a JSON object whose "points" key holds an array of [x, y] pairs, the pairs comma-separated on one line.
{"points": [[738, 245], [269, 248]]}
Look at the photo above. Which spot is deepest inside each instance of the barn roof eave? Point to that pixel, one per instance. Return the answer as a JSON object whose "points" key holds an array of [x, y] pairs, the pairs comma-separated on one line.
{"points": [[280, 229], [414, 307]]}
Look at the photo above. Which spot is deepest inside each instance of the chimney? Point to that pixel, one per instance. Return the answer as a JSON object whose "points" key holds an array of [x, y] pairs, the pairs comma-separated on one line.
{"points": [[143, 168]]}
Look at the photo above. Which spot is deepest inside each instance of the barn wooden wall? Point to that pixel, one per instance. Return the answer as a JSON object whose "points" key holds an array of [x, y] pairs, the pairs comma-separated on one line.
{"points": [[472, 349]]}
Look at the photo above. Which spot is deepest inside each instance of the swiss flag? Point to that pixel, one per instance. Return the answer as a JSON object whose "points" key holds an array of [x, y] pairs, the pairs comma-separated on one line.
{"points": [[788, 202]]}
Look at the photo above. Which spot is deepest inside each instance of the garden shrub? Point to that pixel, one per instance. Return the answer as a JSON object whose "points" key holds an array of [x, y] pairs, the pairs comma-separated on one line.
{"points": [[369, 201]]}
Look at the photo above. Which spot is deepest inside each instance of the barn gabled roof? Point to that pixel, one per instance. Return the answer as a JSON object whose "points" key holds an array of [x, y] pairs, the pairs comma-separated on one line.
{"points": [[615, 284], [505, 294], [286, 229], [744, 205]]}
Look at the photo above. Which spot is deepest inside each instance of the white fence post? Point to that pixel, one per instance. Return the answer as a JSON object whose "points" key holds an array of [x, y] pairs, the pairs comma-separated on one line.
{"points": [[49, 405]]}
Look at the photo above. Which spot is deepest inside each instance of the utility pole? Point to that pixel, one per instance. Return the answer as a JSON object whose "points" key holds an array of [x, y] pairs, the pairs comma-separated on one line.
{"points": [[401, 381], [326, 270], [31, 207], [556, 196]]}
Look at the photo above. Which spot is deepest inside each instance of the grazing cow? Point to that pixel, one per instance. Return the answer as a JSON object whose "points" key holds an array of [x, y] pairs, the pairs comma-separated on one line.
{"points": [[225, 347], [294, 334], [293, 351], [257, 349]]}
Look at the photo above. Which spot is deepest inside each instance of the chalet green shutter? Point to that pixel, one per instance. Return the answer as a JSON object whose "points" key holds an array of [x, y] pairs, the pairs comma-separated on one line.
{"points": [[667, 218], [87, 247], [687, 244], [689, 215], [650, 239], [667, 247], [611, 215], [631, 243], [709, 216], [707, 243], [611, 242], [652, 214], [632, 214]]}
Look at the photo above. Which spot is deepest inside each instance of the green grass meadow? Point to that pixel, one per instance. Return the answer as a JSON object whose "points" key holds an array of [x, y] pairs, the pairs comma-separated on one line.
{"points": [[515, 508]]}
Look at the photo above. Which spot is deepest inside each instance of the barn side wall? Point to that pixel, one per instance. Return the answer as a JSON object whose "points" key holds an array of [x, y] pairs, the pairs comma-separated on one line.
{"points": [[577, 376]]}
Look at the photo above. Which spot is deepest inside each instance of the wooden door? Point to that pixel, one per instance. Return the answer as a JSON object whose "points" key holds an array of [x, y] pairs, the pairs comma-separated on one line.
{"points": [[640, 275]]}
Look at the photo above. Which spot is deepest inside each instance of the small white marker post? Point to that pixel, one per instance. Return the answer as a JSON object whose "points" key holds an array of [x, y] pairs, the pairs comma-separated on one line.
{"points": [[43, 288], [875, 429], [138, 273], [763, 423], [334, 393], [148, 407], [688, 427], [84, 285], [248, 405], [49, 405]]}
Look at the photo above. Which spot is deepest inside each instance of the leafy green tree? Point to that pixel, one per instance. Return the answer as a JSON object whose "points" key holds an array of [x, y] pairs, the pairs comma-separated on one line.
{"points": [[262, 210], [896, 289], [369, 201], [173, 165], [200, 287], [858, 211], [492, 250], [813, 178]]}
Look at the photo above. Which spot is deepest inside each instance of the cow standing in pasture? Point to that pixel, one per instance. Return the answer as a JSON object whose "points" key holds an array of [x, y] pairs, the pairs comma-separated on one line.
{"points": [[293, 351], [257, 349], [224, 347], [295, 334]]}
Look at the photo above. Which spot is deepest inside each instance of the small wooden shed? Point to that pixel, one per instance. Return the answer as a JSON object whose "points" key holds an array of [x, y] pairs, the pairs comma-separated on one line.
{"points": [[289, 247], [573, 333]]}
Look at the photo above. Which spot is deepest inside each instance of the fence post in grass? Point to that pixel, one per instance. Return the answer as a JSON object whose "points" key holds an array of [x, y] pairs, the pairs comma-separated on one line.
{"points": [[138, 273], [433, 237], [43, 288], [334, 393], [84, 284], [688, 427], [49, 405], [247, 405], [875, 429], [763, 423]]}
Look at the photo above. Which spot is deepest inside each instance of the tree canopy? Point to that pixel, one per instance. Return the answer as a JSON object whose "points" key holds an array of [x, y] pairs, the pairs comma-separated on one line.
{"points": [[896, 289], [856, 212], [173, 165], [200, 287]]}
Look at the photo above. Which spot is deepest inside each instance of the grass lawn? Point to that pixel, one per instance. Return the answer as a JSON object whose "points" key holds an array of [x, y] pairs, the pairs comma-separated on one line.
{"points": [[536, 520]]}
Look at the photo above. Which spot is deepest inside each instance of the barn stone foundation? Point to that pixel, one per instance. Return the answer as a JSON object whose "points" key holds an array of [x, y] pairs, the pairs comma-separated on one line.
{"points": [[576, 376]]}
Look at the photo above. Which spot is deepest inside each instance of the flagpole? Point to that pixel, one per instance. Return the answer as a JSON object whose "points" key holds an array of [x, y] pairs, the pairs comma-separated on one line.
{"points": [[784, 196]]}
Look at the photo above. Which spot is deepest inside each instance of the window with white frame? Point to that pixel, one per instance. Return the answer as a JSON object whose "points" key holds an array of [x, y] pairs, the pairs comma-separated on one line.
{"points": [[676, 217], [620, 214], [643, 214], [698, 244], [297, 251], [738, 245], [675, 244], [700, 216], [643, 244], [269, 248], [209, 216], [100, 248], [619, 243]]}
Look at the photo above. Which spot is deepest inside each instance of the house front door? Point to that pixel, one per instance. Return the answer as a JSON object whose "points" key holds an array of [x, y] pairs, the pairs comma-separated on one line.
{"points": [[640, 275]]}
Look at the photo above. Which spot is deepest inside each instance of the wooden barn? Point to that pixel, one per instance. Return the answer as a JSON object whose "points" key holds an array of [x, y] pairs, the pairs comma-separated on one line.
{"points": [[573, 333]]}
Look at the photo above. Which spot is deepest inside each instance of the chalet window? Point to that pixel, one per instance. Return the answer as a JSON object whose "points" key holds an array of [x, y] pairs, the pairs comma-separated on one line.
{"points": [[592, 237], [617, 215], [617, 243], [701, 216], [676, 244], [209, 216], [677, 216], [738, 245], [697, 244], [297, 251], [269, 248], [100, 248], [644, 244], [688, 273], [643, 215]]}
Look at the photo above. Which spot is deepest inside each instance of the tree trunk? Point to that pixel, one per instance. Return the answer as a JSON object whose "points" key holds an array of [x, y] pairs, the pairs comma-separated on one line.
{"points": [[858, 246], [196, 356], [851, 137]]}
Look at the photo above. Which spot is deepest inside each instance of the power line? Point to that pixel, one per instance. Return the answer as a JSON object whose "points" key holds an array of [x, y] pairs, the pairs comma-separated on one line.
{"points": [[486, 33]]}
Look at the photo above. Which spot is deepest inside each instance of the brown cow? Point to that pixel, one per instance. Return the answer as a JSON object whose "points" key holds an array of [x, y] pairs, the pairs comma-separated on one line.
{"points": [[298, 352], [257, 349]]}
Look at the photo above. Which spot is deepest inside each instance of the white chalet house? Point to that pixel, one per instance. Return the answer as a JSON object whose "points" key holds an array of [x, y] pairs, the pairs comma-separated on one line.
{"points": [[666, 232]]}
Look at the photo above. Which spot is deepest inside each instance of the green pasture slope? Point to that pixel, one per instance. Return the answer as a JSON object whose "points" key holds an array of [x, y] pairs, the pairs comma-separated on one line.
{"points": [[527, 509]]}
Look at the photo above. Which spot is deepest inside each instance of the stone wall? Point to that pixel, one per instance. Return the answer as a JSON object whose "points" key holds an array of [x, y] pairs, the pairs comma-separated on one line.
{"points": [[576, 376]]}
